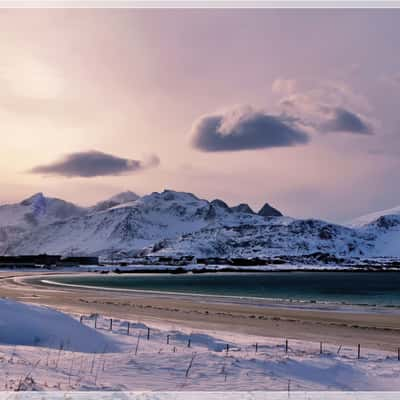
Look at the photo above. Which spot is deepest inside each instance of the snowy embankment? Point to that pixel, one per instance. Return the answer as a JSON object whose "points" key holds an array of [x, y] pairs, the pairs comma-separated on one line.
{"points": [[161, 357], [23, 324]]}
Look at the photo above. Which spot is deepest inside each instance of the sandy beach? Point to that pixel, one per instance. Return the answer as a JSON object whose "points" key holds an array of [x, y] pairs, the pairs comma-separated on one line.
{"points": [[262, 318]]}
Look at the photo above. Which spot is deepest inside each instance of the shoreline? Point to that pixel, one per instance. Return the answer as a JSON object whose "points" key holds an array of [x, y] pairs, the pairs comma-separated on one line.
{"points": [[310, 305], [266, 318]]}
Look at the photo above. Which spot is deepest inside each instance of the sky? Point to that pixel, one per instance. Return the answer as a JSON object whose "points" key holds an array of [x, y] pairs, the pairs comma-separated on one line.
{"points": [[297, 108]]}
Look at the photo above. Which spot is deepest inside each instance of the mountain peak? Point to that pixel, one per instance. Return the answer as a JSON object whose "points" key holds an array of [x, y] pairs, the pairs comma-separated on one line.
{"points": [[124, 197], [116, 200], [221, 204], [243, 208], [33, 199], [268, 211], [168, 194]]}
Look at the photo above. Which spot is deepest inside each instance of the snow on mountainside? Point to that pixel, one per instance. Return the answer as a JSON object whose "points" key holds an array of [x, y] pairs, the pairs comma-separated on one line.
{"points": [[371, 217], [120, 198], [273, 237], [131, 227], [179, 224], [35, 211], [386, 231]]}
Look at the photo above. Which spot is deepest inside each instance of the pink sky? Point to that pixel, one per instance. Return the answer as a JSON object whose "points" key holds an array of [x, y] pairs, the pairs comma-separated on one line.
{"points": [[134, 84]]}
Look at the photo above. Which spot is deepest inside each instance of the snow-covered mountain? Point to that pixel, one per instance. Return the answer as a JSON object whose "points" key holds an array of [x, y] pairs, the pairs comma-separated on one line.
{"points": [[31, 213], [180, 224], [371, 217], [130, 227], [272, 237], [120, 198]]}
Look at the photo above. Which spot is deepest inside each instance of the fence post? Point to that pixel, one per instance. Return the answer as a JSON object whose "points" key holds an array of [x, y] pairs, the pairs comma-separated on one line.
{"points": [[137, 344], [80, 319], [111, 322], [95, 322], [256, 347], [358, 351], [189, 342], [129, 326], [286, 346], [148, 333], [320, 347], [227, 348], [398, 353], [167, 339]]}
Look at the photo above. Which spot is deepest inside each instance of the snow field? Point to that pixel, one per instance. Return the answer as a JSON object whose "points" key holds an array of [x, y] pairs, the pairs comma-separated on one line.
{"points": [[166, 362]]}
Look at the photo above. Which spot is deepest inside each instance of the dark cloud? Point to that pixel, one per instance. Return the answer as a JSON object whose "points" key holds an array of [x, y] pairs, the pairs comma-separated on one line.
{"points": [[93, 163], [245, 129], [343, 120]]}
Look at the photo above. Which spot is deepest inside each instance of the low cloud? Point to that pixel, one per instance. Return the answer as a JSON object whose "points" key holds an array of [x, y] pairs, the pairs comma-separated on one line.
{"points": [[246, 129], [94, 163], [343, 120]]}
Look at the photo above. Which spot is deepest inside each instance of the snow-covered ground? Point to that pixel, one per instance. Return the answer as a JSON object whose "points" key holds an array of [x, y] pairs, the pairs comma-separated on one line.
{"points": [[23, 324], [113, 360]]}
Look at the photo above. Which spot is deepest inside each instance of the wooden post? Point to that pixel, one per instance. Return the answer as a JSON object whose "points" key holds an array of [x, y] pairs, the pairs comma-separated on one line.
{"points": [[256, 347], [189, 342], [358, 351], [137, 344], [111, 324], [286, 346], [227, 348], [398, 354], [148, 333], [174, 350], [167, 339], [129, 326], [95, 322], [320, 347]]}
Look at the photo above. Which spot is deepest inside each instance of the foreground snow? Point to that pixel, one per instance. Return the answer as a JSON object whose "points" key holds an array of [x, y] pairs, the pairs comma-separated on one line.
{"points": [[22, 324], [166, 362]]}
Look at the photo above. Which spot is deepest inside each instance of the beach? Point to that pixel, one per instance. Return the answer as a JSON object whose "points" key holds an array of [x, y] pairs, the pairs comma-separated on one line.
{"points": [[348, 326]]}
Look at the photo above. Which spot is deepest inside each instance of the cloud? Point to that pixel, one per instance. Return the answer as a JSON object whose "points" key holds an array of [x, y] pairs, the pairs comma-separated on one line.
{"points": [[94, 163], [284, 86], [343, 120], [330, 107], [246, 129]]}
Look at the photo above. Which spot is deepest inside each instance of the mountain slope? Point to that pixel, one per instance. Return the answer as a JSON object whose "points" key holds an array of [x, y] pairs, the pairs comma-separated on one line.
{"points": [[180, 224], [131, 226], [276, 237], [386, 233], [33, 212], [371, 217], [120, 198]]}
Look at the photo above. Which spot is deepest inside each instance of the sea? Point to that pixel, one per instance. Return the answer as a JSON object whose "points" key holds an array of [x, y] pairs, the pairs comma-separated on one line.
{"points": [[354, 288]]}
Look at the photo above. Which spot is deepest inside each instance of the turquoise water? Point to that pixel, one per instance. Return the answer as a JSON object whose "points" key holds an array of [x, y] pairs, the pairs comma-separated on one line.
{"points": [[337, 287]]}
